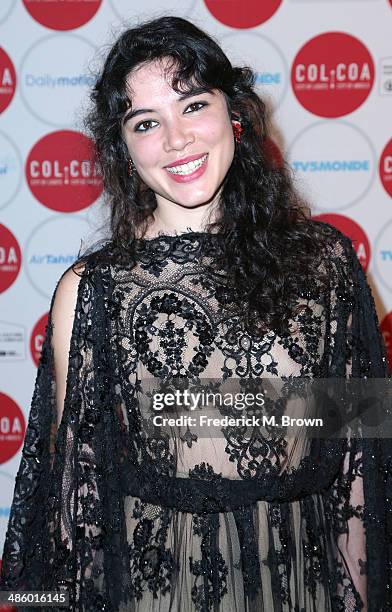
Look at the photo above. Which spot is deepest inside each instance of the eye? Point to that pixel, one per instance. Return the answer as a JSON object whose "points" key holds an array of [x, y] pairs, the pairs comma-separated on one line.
{"points": [[138, 127], [195, 106], [199, 104]]}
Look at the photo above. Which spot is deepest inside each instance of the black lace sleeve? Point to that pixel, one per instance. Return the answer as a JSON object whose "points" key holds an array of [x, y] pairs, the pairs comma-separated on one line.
{"points": [[39, 550], [358, 506], [66, 528], [22, 554]]}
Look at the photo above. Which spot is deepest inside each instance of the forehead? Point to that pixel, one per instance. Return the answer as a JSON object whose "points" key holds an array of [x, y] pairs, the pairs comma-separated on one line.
{"points": [[151, 80]]}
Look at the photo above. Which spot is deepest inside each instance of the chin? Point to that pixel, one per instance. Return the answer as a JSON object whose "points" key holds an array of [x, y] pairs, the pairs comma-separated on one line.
{"points": [[194, 203]]}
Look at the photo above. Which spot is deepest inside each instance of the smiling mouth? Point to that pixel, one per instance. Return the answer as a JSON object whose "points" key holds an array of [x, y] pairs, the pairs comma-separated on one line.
{"points": [[189, 168]]}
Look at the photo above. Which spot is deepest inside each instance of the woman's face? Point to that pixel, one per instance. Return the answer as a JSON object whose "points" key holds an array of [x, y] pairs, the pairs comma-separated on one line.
{"points": [[182, 147]]}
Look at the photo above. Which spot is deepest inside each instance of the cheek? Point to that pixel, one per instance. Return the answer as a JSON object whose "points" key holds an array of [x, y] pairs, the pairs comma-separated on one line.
{"points": [[143, 152], [145, 155], [216, 133]]}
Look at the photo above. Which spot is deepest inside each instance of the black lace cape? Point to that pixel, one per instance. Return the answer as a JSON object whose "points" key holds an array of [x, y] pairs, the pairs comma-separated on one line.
{"points": [[57, 526]]}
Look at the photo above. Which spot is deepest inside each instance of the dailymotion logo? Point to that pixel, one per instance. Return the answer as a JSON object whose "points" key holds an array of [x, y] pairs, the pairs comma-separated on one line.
{"points": [[52, 81]]}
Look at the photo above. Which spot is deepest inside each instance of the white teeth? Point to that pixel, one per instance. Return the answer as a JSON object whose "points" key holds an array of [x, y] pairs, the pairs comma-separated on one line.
{"points": [[189, 167]]}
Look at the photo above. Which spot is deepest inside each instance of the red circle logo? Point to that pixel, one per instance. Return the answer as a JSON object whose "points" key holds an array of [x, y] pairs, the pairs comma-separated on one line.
{"points": [[37, 337], [385, 167], [354, 231], [7, 80], [60, 15], [60, 171], [10, 258], [12, 428], [386, 330], [332, 75], [242, 13]]}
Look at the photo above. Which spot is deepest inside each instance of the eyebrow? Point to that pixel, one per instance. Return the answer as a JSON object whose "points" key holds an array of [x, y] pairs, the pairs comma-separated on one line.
{"points": [[196, 91]]}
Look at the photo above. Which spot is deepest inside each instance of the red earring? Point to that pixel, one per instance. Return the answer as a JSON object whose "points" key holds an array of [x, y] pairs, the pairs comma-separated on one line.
{"points": [[237, 129]]}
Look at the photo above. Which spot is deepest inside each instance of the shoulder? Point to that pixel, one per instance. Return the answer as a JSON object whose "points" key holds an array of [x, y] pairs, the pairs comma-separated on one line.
{"points": [[336, 249], [338, 260], [70, 279], [87, 265], [65, 297], [81, 274], [335, 242]]}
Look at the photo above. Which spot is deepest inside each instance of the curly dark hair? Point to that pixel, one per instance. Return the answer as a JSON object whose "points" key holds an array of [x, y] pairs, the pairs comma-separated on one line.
{"points": [[270, 242]]}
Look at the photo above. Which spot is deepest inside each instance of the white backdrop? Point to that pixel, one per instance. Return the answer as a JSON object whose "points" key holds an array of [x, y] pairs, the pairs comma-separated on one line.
{"points": [[324, 65]]}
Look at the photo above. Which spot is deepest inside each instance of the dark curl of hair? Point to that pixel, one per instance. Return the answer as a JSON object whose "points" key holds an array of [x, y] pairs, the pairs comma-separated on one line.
{"points": [[270, 242]]}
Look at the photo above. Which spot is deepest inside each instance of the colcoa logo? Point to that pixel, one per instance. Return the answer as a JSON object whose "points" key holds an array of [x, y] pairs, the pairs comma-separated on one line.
{"points": [[37, 338], [339, 76], [7, 80], [10, 258], [387, 164], [385, 168], [332, 74], [242, 13], [60, 15], [12, 428], [60, 171]]}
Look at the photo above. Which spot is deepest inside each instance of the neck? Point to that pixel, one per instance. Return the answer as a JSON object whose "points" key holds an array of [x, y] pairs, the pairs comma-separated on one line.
{"points": [[171, 218]]}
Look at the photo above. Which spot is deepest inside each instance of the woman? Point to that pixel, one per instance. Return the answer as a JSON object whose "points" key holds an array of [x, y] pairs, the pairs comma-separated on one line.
{"points": [[214, 272]]}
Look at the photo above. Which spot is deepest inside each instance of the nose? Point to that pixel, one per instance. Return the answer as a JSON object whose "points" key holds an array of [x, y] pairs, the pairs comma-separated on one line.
{"points": [[177, 137]]}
